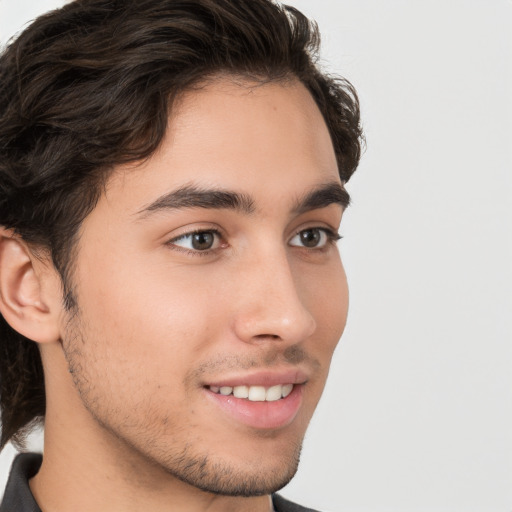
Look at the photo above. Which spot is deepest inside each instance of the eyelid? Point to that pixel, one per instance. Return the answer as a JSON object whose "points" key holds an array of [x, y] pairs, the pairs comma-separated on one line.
{"points": [[195, 252], [329, 228], [196, 227], [332, 236]]}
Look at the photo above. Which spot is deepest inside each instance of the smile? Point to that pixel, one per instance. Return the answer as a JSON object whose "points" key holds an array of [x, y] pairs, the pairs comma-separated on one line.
{"points": [[255, 393], [257, 406]]}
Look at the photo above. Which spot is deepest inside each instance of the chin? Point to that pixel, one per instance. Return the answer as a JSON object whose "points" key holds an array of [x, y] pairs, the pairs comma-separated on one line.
{"points": [[247, 478]]}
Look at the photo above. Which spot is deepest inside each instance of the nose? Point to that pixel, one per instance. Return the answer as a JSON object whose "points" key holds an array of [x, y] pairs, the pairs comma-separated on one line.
{"points": [[268, 305]]}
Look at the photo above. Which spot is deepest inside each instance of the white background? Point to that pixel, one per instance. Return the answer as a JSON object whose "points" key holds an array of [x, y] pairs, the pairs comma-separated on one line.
{"points": [[417, 415]]}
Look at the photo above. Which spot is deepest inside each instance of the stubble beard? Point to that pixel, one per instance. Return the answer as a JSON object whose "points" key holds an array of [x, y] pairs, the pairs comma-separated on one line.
{"points": [[209, 472], [217, 477]]}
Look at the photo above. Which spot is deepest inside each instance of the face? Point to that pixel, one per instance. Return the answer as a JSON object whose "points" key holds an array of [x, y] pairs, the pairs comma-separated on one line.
{"points": [[210, 290]]}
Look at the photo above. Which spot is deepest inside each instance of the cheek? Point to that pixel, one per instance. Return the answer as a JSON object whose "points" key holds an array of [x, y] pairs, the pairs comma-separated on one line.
{"points": [[327, 301], [135, 352], [326, 297], [146, 324]]}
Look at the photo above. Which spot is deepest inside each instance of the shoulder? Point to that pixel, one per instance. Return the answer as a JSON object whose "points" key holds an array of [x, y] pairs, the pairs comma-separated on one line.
{"points": [[17, 496], [283, 505]]}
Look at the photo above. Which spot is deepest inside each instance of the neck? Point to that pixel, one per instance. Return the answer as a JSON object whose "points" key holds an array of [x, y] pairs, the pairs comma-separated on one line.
{"points": [[74, 476]]}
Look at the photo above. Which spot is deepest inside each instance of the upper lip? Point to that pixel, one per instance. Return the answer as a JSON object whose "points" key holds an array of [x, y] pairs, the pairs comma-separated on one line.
{"points": [[265, 378]]}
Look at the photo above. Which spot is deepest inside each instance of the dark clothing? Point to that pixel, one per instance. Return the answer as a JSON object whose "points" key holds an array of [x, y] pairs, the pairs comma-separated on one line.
{"points": [[282, 505], [18, 498]]}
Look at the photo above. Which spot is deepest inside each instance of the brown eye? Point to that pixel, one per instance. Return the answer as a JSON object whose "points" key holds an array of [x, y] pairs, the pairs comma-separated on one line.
{"points": [[312, 238], [200, 241], [203, 241]]}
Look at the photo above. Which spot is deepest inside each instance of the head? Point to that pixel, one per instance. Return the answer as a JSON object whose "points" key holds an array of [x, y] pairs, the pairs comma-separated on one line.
{"points": [[172, 178]]}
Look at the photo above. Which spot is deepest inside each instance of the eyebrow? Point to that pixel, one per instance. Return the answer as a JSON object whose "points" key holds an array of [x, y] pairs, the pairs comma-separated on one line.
{"points": [[191, 196], [326, 194]]}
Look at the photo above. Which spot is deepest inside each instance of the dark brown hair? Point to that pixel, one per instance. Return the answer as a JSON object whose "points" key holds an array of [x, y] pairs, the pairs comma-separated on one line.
{"points": [[90, 86]]}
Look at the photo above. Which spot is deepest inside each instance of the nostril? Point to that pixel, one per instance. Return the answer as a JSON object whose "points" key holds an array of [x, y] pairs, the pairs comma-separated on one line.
{"points": [[267, 336]]}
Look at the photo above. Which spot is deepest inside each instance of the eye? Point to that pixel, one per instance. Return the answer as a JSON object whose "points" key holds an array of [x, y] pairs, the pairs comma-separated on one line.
{"points": [[198, 240], [314, 238]]}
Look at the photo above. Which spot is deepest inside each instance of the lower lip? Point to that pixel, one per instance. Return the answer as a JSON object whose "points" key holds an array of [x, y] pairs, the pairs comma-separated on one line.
{"points": [[261, 415]]}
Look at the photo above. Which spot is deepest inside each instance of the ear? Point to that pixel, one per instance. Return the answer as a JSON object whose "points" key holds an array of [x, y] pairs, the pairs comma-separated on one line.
{"points": [[29, 290]]}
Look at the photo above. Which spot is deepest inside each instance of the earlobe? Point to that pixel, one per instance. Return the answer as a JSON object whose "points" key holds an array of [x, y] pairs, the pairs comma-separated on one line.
{"points": [[22, 303]]}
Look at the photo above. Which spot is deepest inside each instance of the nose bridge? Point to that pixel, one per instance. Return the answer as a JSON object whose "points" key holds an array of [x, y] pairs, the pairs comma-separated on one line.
{"points": [[270, 305]]}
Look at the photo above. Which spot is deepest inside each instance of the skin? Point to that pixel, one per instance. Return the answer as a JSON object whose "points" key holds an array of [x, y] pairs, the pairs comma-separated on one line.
{"points": [[129, 423]]}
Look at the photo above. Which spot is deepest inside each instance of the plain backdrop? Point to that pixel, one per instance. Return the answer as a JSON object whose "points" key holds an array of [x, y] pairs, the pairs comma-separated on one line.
{"points": [[417, 414]]}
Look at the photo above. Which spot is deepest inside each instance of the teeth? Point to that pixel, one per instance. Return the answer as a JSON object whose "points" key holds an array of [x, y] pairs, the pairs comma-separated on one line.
{"points": [[241, 392], [274, 393], [287, 389], [255, 393]]}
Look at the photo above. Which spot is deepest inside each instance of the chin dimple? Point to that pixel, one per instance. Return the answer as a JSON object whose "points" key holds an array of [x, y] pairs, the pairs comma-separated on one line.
{"points": [[255, 393]]}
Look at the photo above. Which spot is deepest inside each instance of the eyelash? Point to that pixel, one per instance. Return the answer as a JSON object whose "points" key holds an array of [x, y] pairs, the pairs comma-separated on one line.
{"points": [[192, 252], [332, 238]]}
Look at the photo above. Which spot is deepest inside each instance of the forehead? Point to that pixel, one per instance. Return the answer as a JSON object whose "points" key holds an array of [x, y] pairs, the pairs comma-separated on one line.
{"points": [[241, 136]]}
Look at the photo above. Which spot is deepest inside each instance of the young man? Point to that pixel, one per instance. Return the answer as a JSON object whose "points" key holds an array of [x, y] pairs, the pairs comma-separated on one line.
{"points": [[172, 182]]}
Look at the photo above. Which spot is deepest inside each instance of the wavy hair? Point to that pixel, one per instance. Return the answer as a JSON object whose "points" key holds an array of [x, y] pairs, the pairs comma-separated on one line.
{"points": [[90, 86]]}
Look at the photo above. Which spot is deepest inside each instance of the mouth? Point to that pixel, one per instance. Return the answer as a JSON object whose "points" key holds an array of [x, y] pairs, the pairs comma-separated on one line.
{"points": [[254, 393], [263, 401]]}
